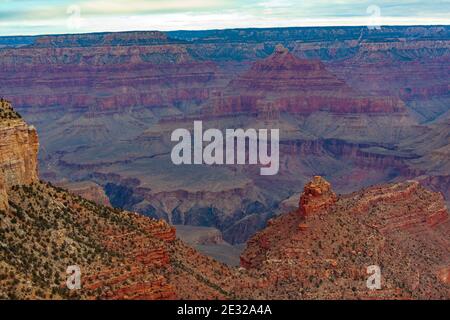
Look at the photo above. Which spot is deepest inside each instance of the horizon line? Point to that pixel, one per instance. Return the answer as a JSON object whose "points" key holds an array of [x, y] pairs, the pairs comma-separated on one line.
{"points": [[224, 29]]}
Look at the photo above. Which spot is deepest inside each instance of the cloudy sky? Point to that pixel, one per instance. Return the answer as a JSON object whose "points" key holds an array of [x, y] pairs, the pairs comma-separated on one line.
{"points": [[77, 16]]}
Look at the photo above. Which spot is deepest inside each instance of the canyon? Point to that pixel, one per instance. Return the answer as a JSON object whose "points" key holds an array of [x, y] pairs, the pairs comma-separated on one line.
{"points": [[356, 106], [121, 255], [321, 249]]}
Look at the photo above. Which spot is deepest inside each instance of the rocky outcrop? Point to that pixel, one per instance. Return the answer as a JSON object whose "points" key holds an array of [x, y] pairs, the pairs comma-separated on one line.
{"points": [[317, 197], [444, 275], [3, 194], [18, 150], [402, 227]]}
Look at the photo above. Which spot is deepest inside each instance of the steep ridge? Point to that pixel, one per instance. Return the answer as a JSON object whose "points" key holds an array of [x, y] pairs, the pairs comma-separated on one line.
{"points": [[121, 255], [402, 228], [104, 72]]}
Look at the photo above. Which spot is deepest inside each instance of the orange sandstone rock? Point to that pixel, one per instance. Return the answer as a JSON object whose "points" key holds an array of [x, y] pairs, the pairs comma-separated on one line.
{"points": [[19, 147], [444, 275], [303, 227], [3, 194], [316, 197], [18, 152]]}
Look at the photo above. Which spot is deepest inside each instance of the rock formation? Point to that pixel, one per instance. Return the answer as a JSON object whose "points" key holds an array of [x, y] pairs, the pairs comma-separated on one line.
{"points": [[3, 194], [18, 152], [18, 148], [317, 196], [444, 275], [403, 228]]}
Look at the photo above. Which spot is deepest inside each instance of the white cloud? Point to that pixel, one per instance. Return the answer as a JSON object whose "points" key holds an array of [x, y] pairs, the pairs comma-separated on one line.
{"points": [[275, 4], [136, 6], [114, 15]]}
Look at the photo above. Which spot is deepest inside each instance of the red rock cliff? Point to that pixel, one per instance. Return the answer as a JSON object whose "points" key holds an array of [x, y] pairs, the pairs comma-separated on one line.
{"points": [[18, 152], [317, 196], [3, 195]]}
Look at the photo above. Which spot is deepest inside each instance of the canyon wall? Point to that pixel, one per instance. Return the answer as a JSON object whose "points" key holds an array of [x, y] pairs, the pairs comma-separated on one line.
{"points": [[18, 152], [285, 83], [3, 195], [18, 149]]}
